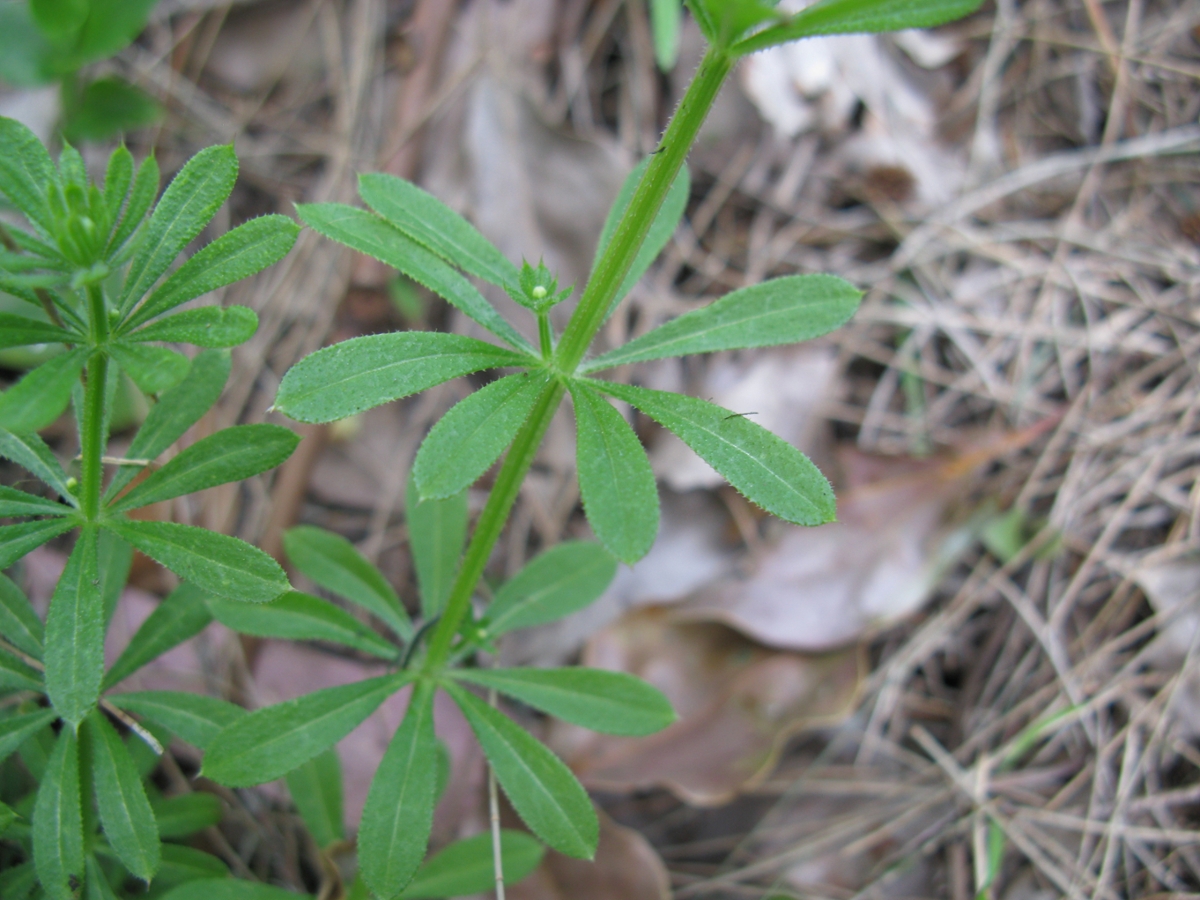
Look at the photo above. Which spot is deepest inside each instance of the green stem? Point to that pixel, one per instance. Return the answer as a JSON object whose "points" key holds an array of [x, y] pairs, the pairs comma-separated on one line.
{"points": [[544, 337], [92, 439]]}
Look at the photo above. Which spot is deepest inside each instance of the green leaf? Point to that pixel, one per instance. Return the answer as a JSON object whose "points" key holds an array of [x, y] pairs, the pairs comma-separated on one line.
{"points": [[117, 179], [347, 378], [547, 797], [665, 22], [271, 741], [195, 718], [189, 202], [153, 369], [230, 889], [15, 675], [31, 453], [40, 397], [473, 434], [663, 227], [232, 454], [19, 624], [398, 815], [316, 789], [7, 816], [26, 57], [766, 469], [332, 562], [186, 814], [301, 617], [856, 17], [98, 887], [620, 495], [177, 410], [75, 634], [141, 198], [26, 170], [221, 565], [19, 331], [465, 867], [15, 729], [781, 311], [108, 107], [182, 615], [238, 254], [183, 864], [58, 821], [110, 27], [556, 583], [19, 882], [18, 503], [724, 21], [437, 531], [114, 560], [208, 326], [59, 20], [612, 702], [17, 540], [125, 812], [367, 233]]}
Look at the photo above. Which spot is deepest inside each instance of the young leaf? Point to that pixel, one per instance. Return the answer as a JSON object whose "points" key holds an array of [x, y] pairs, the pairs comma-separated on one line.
{"points": [[301, 617], [125, 812], [208, 326], [186, 814], [25, 171], [17, 676], [473, 434], [17, 540], [398, 815], [141, 198], [612, 702], [347, 378], [177, 410], [547, 797], [332, 562], [19, 331], [182, 615], [117, 179], [15, 729], [466, 867], [189, 202], [37, 399], [31, 453], [316, 789], [232, 454], [271, 741], [437, 530], [195, 718], [58, 821], [367, 233], [75, 634], [856, 17], [18, 503], [153, 369], [19, 624], [114, 559], [221, 565], [781, 311], [620, 495], [558, 582], [237, 254], [766, 469]]}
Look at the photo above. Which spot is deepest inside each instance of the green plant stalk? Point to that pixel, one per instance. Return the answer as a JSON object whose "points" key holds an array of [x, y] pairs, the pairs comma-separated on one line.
{"points": [[91, 441], [589, 315]]}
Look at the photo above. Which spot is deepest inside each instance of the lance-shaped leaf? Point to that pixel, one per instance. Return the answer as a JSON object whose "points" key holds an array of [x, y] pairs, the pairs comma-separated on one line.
{"points": [[19, 503], [25, 172], [616, 483], [31, 453], [368, 233], [856, 17], [208, 326], [398, 815], [184, 864], [195, 718], [186, 814], [189, 202], [437, 530], [316, 789], [766, 469], [177, 410], [473, 434], [141, 198], [466, 867], [562, 580], [547, 797], [430, 222], [301, 617], [75, 634], [661, 230], [40, 397], [17, 540], [332, 562], [125, 812], [117, 179], [153, 369], [221, 565], [98, 887], [781, 311], [224, 888], [232, 454], [612, 702], [17, 676], [339, 381], [183, 615], [15, 729], [238, 254], [114, 560], [19, 624], [270, 742], [18, 331], [58, 821]]}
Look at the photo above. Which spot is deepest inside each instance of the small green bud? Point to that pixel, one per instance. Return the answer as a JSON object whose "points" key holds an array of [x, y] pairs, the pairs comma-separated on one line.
{"points": [[73, 484], [539, 293]]}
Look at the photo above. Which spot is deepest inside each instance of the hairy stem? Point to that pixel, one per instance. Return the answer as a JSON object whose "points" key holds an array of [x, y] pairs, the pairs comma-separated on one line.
{"points": [[92, 438]]}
